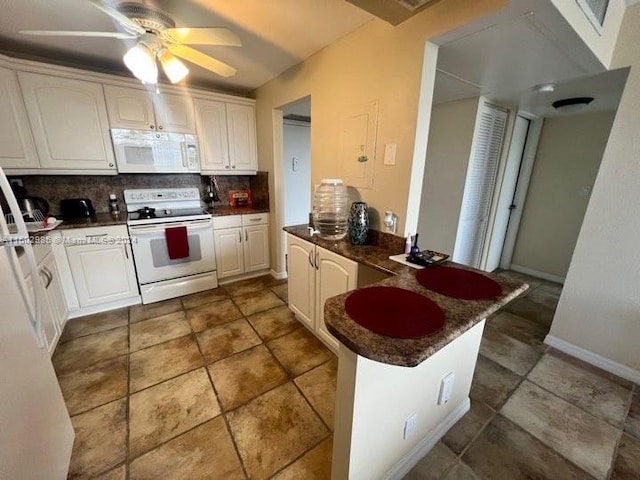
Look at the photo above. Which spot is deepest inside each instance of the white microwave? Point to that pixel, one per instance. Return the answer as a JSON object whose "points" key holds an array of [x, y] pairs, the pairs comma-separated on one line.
{"points": [[139, 151]]}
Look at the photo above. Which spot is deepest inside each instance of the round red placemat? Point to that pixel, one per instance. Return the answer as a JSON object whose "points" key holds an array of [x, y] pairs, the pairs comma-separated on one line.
{"points": [[394, 312], [458, 283]]}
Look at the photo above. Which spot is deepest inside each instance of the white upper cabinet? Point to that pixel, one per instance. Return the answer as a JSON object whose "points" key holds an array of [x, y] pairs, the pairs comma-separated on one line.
{"points": [[211, 122], [143, 110], [241, 125], [17, 149], [129, 108], [227, 136], [69, 122]]}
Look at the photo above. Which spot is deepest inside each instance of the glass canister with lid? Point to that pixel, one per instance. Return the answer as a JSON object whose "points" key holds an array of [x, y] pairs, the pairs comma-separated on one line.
{"points": [[331, 209]]}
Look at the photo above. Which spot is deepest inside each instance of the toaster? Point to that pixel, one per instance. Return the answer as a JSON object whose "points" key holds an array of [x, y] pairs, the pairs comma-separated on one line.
{"points": [[76, 208]]}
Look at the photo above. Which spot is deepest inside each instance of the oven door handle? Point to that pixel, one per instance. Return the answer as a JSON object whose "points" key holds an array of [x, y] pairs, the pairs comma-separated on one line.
{"points": [[145, 229]]}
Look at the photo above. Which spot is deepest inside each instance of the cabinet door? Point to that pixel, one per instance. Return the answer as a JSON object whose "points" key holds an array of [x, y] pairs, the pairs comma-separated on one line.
{"points": [[54, 291], [256, 248], [69, 122], [302, 279], [211, 123], [174, 113], [336, 275], [129, 108], [16, 144], [102, 272], [229, 252], [241, 124], [49, 326]]}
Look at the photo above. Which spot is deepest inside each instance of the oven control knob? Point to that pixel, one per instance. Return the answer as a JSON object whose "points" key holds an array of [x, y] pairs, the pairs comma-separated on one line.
{"points": [[167, 211]]}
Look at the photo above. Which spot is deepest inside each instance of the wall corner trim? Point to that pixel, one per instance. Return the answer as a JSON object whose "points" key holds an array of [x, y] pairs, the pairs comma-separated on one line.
{"points": [[400, 469], [599, 361]]}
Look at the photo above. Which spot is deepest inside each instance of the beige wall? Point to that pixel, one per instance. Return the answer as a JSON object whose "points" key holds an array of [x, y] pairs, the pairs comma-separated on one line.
{"points": [[599, 310], [376, 62], [445, 173], [567, 162]]}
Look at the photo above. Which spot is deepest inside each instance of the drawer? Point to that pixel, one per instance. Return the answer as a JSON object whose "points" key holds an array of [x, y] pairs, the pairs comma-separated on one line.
{"points": [[227, 221], [254, 219], [89, 233], [41, 246]]}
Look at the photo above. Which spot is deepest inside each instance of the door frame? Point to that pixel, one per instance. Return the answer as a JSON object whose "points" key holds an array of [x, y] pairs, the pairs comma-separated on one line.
{"points": [[522, 186]]}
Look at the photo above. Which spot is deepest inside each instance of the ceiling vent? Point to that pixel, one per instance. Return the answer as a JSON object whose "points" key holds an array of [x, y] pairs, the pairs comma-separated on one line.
{"points": [[413, 4]]}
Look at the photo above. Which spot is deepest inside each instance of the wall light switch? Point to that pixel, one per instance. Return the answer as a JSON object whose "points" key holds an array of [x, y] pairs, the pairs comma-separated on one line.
{"points": [[410, 426], [390, 153], [446, 388]]}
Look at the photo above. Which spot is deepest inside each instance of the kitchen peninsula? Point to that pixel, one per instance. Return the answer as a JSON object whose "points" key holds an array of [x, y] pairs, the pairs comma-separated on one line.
{"points": [[396, 397]]}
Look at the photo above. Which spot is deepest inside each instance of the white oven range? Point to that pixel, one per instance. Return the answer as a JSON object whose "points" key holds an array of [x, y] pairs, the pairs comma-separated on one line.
{"points": [[168, 267]]}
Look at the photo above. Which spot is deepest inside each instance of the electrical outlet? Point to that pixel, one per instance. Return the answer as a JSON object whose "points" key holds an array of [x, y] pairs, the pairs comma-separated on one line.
{"points": [[390, 153], [410, 426], [446, 388]]}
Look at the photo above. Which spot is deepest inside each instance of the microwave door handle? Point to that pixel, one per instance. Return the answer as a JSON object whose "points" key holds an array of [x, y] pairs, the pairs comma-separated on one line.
{"points": [[183, 151]]}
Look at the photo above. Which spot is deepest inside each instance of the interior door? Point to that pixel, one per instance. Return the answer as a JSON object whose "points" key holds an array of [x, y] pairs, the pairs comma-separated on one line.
{"points": [[479, 185]]}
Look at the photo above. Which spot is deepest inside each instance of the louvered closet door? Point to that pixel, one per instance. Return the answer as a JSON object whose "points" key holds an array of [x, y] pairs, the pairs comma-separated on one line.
{"points": [[480, 185]]}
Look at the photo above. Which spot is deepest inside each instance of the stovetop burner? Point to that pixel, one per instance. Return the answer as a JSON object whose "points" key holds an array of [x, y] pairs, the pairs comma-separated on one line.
{"points": [[155, 206], [146, 212]]}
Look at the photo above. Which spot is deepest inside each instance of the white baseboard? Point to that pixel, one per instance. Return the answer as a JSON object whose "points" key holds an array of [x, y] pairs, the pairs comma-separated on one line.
{"points": [[537, 273], [81, 312], [594, 359], [278, 275], [400, 469]]}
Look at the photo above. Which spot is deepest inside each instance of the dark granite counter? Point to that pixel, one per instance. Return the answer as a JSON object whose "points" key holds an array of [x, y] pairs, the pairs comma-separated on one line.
{"points": [[460, 315], [374, 255], [99, 220], [224, 210]]}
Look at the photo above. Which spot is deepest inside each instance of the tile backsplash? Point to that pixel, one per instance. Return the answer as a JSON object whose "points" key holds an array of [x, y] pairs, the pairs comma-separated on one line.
{"points": [[97, 188]]}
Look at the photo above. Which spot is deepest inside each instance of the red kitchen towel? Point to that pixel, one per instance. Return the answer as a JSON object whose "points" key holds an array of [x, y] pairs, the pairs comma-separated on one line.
{"points": [[177, 242]]}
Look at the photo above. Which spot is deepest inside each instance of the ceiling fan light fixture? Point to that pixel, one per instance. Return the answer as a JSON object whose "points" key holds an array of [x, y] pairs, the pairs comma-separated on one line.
{"points": [[141, 60], [172, 66]]}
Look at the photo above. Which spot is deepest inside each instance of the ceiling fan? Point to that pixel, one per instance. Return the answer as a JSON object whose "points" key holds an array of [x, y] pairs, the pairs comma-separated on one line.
{"points": [[157, 38]]}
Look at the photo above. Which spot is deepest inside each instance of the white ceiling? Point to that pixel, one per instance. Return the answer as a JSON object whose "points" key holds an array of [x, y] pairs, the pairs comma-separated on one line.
{"points": [[276, 34], [505, 55]]}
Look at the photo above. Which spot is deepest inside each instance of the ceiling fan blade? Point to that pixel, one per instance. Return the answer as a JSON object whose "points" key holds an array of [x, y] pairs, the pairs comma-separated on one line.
{"points": [[75, 33], [125, 21], [204, 36], [199, 58]]}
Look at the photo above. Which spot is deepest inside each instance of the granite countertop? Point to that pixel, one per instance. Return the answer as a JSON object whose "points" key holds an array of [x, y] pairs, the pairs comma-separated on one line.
{"points": [[223, 210], [460, 315], [99, 220]]}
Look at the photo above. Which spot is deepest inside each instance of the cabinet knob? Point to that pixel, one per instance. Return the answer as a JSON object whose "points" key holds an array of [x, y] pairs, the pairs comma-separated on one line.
{"points": [[152, 127], [111, 165], [233, 166], [226, 166], [160, 127]]}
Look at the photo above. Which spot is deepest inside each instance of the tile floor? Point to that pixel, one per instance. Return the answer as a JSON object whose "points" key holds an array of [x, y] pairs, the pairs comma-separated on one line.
{"points": [[227, 384]]}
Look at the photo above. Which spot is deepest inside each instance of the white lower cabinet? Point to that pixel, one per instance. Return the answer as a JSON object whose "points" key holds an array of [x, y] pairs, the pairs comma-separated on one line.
{"points": [[242, 244], [316, 274], [101, 265], [54, 307]]}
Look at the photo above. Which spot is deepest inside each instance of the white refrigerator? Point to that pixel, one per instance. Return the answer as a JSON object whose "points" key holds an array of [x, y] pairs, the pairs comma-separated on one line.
{"points": [[36, 435]]}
